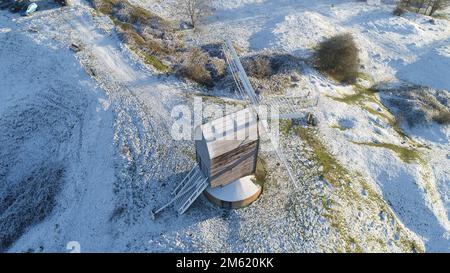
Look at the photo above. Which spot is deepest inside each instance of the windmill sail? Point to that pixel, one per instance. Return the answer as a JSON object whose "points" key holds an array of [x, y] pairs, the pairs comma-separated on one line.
{"points": [[247, 92]]}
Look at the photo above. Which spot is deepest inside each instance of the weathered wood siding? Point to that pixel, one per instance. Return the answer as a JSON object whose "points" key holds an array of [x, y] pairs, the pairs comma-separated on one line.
{"points": [[233, 165], [228, 148]]}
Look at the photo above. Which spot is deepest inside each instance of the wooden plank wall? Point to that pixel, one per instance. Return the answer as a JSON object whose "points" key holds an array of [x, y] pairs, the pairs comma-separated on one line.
{"points": [[234, 164]]}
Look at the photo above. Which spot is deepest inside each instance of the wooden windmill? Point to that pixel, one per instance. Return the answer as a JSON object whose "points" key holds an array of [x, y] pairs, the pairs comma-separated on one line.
{"points": [[227, 151]]}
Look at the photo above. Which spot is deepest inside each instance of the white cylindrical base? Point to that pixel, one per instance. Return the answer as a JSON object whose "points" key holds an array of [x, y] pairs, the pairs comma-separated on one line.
{"points": [[238, 194]]}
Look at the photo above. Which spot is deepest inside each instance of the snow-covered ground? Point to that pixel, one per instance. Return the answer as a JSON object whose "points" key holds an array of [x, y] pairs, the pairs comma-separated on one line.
{"points": [[105, 119]]}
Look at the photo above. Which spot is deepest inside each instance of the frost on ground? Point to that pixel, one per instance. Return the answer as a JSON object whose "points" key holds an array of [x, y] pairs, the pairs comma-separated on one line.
{"points": [[53, 127], [87, 141]]}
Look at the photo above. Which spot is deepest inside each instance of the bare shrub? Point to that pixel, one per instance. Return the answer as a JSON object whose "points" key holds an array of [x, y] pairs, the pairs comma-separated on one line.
{"points": [[338, 57], [194, 68], [427, 7], [258, 66], [284, 63], [214, 50], [64, 2], [105, 6], [131, 38], [266, 65], [399, 10], [217, 68], [271, 72], [442, 117], [436, 5]]}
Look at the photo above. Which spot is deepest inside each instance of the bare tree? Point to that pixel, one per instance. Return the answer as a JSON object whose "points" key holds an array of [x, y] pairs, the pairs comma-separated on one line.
{"points": [[437, 5], [194, 10], [427, 7]]}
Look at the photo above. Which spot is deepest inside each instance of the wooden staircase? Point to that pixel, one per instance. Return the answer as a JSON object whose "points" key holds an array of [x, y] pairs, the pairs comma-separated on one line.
{"points": [[187, 191]]}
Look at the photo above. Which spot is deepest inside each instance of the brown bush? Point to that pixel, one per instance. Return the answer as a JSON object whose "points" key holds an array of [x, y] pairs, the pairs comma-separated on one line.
{"points": [[442, 117], [338, 57], [284, 63], [399, 11], [194, 68], [428, 7], [266, 65], [258, 66], [272, 72], [131, 38], [105, 6], [217, 68], [63, 2]]}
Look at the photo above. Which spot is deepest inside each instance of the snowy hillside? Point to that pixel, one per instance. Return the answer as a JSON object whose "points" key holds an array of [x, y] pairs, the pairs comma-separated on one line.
{"points": [[87, 152]]}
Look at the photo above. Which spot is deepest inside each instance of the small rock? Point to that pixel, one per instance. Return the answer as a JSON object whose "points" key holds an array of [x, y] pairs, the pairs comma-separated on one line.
{"points": [[363, 192], [311, 119], [185, 25], [382, 215], [75, 47], [33, 29]]}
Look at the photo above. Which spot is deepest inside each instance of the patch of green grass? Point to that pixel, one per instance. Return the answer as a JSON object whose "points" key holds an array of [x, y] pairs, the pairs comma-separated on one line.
{"points": [[365, 76], [337, 175], [362, 94], [332, 170], [285, 126], [377, 113], [392, 121], [407, 155], [325, 203], [260, 172], [155, 62], [337, 126]]}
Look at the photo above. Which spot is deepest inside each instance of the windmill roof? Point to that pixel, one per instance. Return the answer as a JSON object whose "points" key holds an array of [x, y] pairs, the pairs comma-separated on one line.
{"points": [[229, 132]]}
